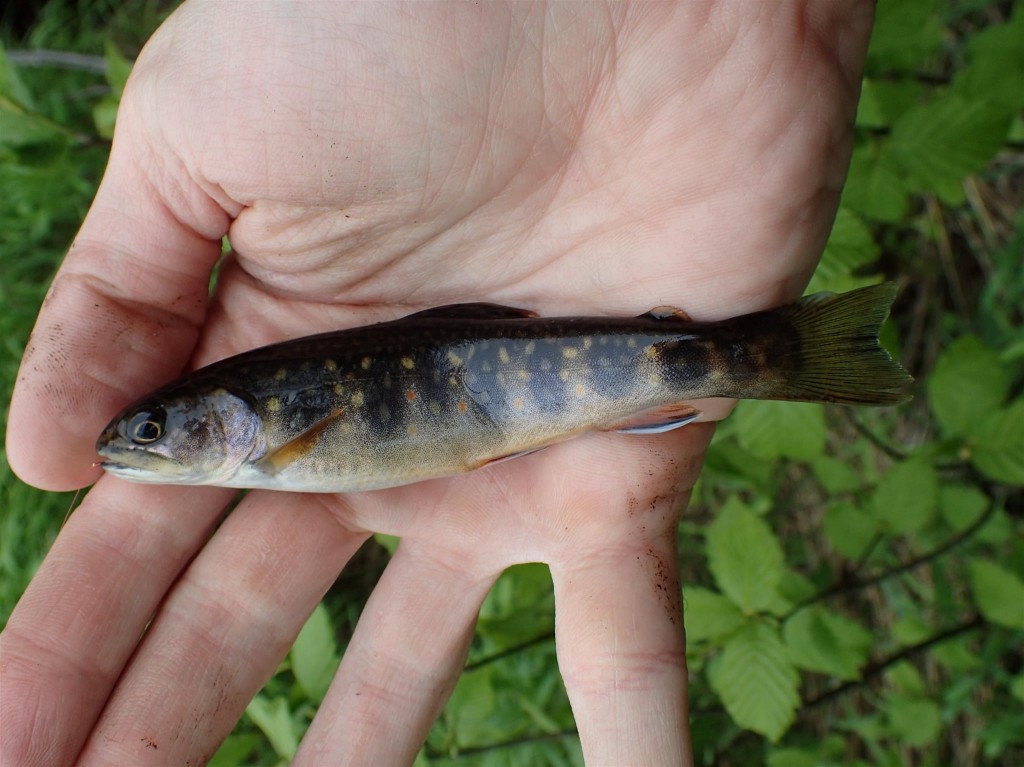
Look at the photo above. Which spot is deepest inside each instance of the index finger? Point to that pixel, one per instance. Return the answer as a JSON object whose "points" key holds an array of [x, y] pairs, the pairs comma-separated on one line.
{"points": [[123, 312]]}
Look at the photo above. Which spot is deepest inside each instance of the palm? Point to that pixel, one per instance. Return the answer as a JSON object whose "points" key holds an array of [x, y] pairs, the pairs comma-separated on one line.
{"points": [[624, 162]]}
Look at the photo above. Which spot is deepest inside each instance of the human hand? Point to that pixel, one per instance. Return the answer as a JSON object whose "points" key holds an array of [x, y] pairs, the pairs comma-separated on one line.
{"points": [[366, 161]]}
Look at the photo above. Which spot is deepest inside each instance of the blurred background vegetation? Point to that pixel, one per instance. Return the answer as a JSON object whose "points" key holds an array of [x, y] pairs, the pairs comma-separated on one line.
{"points": [[854, 581]]}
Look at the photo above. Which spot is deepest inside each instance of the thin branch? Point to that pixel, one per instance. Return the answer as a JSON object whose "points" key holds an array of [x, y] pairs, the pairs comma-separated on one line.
{"points": [[938, 551], [487, 659], [878, 667], [42, 57], [896, 453], [466, 753]]}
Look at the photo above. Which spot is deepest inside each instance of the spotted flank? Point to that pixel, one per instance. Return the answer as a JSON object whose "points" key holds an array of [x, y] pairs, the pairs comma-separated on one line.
{"points": [[456, 388]]}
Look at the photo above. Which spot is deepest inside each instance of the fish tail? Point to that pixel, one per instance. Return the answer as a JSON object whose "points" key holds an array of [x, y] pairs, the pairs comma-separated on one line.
{"points": [[829, 350]]}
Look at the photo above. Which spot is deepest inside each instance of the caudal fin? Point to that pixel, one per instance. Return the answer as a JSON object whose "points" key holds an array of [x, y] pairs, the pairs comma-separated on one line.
{"points": [[834, 351]]}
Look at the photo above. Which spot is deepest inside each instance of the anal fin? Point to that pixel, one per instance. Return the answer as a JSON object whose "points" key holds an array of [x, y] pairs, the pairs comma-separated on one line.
{"points": [[656, 420]]}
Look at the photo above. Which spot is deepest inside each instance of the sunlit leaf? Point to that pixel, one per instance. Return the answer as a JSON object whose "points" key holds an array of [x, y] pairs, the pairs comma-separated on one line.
{"points": [[915, 720], [708, 615], [756, 681], [781, 429], [969, 383], [275, 721], [997, 445], [745, 557], [821, 640], [849, 530]]}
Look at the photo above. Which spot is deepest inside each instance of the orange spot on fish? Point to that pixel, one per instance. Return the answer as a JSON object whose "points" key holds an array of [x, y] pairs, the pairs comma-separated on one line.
{"points": [[463, 406], [410, 395], [518, 403]]}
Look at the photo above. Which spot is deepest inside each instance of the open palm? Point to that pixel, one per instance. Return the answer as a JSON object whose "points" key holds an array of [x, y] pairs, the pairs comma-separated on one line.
{"points": [[367, 161]]}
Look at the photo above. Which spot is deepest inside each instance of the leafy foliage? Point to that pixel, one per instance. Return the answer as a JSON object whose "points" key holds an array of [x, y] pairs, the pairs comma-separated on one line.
{"points": [[853, 582]]}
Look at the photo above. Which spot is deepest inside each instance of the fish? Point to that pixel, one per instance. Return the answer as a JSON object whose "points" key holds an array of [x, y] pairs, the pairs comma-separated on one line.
{"points": [[456, 388]]}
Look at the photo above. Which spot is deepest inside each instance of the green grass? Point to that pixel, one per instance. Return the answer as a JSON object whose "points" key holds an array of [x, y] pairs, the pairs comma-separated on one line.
{"points": [[900, 641]]}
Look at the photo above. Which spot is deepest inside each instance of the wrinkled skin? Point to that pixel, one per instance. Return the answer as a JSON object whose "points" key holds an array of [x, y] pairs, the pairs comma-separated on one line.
{"points": [[368, 160]]}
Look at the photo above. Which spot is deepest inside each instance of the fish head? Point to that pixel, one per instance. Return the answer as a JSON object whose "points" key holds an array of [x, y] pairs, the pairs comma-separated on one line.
{"points": [[185, 434]]}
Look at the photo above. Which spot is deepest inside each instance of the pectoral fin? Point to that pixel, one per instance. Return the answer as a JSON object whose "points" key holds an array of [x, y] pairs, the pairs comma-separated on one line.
{"points": [[297, 447], [667, 313]]}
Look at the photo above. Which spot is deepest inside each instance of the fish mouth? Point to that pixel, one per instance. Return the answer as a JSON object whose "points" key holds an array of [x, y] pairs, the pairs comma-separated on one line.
{"points": [[138, 465]]}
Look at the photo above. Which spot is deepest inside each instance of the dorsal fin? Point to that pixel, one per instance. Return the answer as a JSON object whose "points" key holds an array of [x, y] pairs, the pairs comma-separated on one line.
{"points": [[667, 313], [474, 311]]}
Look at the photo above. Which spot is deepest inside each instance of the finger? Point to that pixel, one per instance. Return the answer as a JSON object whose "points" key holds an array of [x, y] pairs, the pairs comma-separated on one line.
{"points": [[222, 631], [80, 619], [622, 655], [404, 659], [123, 311]]}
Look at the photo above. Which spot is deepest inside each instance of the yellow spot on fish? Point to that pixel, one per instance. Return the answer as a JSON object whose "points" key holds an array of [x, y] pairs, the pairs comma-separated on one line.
{"points": [[564, 375], [411, 430], [463, 407], [581, 390], [339, 389], [330, 365], [587, 342], [654, 379], [435, 408], [365, 363], [652, 352], [281, 374], [453, 380], [545, 364], [407, 363], [273, 404], [523, 375], [454, 358], [410, 395], [517, 403], [530, 347], [357, 399], [570, 352], [503, 355], [631, 343]]}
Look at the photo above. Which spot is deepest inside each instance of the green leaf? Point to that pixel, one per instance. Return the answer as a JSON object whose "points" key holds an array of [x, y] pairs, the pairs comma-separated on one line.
{"points": [[828, 643], [906, 679], [961, 505], [118, 68], [956, 656], [315, 655], [906, 496], [1017, 687], [850, 246], [707, 615], [836, 476], [875, 186], [755, 680], [470, 707], [235, 750], [915, 720], [998, 593], [997, 445], [744, 557], [906, 34], [849, 530], [275, 721], [969, 383], [996, 66], [11, 84], [387, 542], [775, 429], [942, 142], [794, 757]]}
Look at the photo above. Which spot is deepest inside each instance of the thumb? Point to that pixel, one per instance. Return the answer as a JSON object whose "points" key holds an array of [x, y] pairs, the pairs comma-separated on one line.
{"points": [[125, 308]]}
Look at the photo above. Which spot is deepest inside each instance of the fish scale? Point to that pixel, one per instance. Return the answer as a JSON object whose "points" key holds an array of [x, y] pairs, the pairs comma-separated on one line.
{"points": [[455, 388]]}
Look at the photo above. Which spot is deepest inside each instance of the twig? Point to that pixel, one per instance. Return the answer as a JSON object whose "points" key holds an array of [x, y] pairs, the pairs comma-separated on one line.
{"points": [[878, 667], [465, 753], [42, 57], [487, 659], [938, 551]]}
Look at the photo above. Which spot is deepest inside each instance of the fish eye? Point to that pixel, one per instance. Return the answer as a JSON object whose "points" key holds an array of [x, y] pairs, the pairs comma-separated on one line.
{"points": [[146, 426]]}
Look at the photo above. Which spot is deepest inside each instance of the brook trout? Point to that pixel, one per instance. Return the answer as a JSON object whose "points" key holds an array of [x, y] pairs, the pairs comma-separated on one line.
{"points": [[455, 388]]}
